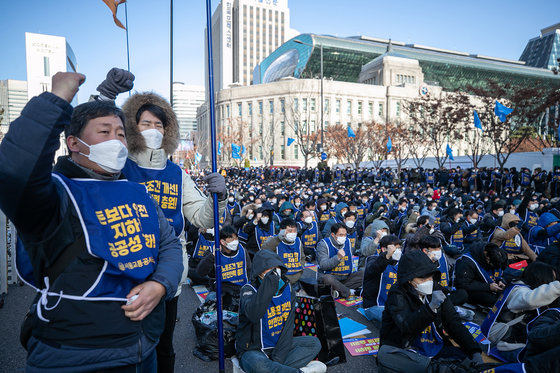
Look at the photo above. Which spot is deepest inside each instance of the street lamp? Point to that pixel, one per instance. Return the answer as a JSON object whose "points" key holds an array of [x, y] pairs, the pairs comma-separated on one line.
{"points": [[322, 108]]}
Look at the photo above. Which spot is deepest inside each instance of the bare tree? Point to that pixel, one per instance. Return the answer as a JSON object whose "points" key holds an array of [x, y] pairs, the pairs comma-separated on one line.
{"points": [[299, 120], [351, 149]]}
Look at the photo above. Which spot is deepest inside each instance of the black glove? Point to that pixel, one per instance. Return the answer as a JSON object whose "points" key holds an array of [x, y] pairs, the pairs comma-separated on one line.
{"points": [[216, 184], [117, 81]]}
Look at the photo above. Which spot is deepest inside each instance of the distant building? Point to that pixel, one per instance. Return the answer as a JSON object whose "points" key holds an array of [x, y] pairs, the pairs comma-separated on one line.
{"points": [[245, 32], [45, 56], [186, 99], [544, 50], [13, 97]]}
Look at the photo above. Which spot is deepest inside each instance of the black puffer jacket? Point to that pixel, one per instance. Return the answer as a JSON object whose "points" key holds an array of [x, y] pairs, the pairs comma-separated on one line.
{"points": [[406, 315], [467, 275], [256, 297]]}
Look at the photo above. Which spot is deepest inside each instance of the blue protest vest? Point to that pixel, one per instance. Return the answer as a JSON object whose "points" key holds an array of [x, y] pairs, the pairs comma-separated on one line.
{"points": [[352, 237], [430, 177], [243, 237], [495, 311], [513, 245], [202, 247], [507, 368], [457, 238], [325, 216], [276, 315], [530, 325], [344, 267], [121, 226], [437, 220], [388, 279], [473, 235], [310, 236], [291, 256], [429, 343], [234, 268], [361, 211], [262, 235], [444, 269], [531, 218], [165, 186], [489, 278], [231, 208], [525, 179]]}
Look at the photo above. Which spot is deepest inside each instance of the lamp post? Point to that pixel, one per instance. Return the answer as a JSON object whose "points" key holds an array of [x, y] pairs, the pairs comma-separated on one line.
{"points": [[322, 101]]}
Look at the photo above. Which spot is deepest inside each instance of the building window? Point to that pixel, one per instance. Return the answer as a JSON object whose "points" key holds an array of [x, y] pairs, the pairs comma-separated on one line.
{"points": [[370, 109], [326, 108], [261, 129], [282, 105], [349, 107], [305, 105], [313, 107], [380, 110], [326, 124], [271, 106], [296, 153], [283, 151], [46, 66], [239, 110], [250, 104], [282, 129], [337, 106], [261, 152], [260, 107], [227, 111], [304, 127], [359, 107], [398, 109], [296, 105]]}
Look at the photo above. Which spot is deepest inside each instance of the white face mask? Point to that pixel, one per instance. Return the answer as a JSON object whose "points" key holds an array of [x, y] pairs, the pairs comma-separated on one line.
{"points": [[233, 245], [397, 254], [250, 216], [259, 205], [291, 237], [350, 223], [425, 288], [110, 155], [308, 220], [436, 255], [472, 221], [512, 212], [340, 240], [273, 201], [432, 230], [264, 219], [501, 213], [230, 199], [153, 138], [382, 234], [533, 206], [210, 231]]}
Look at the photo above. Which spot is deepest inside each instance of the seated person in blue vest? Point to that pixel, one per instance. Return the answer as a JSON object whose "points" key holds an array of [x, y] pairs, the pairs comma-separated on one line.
{"points": [[471, 229], [370, 241], [232, 206], [508, 236], [259, 229], [543, 341], [309, 234], [479, 272], [265, 339], [98, 248], [152, 132], [455, 228], [349, 221], [545, 233], [335, 263], [202, 244], [492, 219], [416, 312], [286, 211], [236, 267], [380, 274], [248, 213], [506, 323], [340, 211], [288, 246]]}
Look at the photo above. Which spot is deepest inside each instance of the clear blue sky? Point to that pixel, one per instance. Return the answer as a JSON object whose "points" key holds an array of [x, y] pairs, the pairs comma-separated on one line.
{"points": [[493, 28]]}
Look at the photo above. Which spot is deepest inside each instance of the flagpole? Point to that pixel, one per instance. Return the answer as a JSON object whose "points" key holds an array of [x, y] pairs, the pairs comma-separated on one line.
{"points": [[215, 196], [127, 45]]}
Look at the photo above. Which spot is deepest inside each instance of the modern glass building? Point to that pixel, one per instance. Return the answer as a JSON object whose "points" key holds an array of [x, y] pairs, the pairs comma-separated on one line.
{"points": [[544, 50], [343, 59]]}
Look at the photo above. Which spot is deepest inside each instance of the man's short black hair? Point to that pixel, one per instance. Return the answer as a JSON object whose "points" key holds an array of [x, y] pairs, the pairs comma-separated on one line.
{"points": [[227, 231], [422, 220], [429, 242], [389, 239], [497, 256], [85, 112], [155, 110], [288, 223], [335, 227], [350, 213]]}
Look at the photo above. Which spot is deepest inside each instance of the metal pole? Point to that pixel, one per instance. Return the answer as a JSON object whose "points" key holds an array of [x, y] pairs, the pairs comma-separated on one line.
{"points": [[127, 45], [171, 53], [215, 196], [322, 108]]}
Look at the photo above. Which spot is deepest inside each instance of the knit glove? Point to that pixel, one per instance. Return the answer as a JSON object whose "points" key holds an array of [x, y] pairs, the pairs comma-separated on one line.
{"points": [[437, 299], [216, 184], [477, 358], [117, 81]]}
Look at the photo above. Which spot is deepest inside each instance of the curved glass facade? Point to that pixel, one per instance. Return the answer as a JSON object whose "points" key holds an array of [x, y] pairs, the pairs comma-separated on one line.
{"points": [[343, 59]]}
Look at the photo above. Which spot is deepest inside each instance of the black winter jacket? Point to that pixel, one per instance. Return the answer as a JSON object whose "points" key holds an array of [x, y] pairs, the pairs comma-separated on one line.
{"points": [[372, 278]]}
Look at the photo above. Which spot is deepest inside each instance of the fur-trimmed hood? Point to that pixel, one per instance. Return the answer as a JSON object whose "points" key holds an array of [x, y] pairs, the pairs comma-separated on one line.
{"points": [[135, 140]]}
